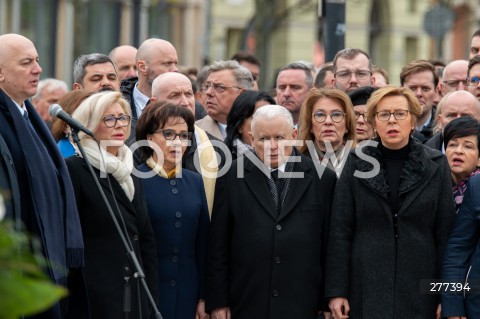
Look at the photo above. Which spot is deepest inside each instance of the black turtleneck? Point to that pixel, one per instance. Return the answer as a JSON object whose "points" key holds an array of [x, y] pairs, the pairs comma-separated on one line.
{"points": [[394, 161]]}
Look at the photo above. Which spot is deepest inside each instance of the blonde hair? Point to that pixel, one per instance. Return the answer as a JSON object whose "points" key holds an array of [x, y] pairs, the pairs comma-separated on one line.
{"points": [[414, 106], [306, 117], [91, 110]]}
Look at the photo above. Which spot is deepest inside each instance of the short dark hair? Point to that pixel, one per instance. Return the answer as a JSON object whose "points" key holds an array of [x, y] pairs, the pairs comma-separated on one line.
{"points": [[476, 33], [461, 127], [361, 95], [85, 60], [349, 54], [247, 57], [473, 61], [417, 66], [320, 78], [154, 117], [242, 108]]}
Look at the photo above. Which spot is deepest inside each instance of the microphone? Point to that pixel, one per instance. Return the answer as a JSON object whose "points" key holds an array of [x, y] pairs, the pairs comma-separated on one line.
{"points": [[56, 111]]}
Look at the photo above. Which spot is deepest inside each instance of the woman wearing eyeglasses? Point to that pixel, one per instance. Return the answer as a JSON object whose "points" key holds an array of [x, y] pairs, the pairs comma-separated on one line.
{"points": [[391, 216], [107, 265], [327, 127], [177, 207]]}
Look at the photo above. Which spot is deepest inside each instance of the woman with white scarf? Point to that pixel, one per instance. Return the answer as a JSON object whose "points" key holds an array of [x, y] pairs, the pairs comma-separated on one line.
{"points": [[108, 269]]}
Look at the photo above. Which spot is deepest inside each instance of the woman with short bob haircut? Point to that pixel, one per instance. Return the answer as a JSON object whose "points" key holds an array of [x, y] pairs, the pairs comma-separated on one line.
{"points": [[391, 216], [327, 120], [177, 207], [107, 264]]}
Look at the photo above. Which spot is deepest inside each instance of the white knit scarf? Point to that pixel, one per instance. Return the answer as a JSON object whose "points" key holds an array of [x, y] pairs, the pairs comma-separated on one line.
{"points": [[119, 166]]}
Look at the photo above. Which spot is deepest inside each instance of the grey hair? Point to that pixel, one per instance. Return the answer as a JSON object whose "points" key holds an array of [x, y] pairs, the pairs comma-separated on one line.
{"points": [[49, 84], [270, 112], [349, 54], [242, 75], [300, 66], [85, 60]]}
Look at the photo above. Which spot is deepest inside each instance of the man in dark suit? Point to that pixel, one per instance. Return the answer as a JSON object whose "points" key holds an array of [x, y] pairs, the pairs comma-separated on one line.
{"points": [[269, 227], [47, 203]]}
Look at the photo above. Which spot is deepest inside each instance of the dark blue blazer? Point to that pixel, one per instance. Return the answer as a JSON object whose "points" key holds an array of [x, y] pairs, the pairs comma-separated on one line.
{"points": [[461, 261], [179, 216]]}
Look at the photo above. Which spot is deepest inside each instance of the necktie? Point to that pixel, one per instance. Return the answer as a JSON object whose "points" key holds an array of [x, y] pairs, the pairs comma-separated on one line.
{"points": [[277, 191]]}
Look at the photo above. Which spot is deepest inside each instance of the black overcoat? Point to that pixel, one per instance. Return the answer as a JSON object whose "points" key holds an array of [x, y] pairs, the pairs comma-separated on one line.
{"points": [[377, 257], [105, 255], [262, 266]]}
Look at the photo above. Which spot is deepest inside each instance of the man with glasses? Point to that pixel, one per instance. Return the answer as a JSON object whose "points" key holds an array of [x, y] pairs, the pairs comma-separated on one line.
{"points": [[352, 69], [473, 80], [454, 77], [294, 81], [225, 81], [453, 105], [420, 77]]}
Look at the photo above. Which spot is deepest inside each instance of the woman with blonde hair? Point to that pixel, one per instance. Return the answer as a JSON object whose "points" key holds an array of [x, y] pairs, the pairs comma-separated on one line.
{"points": [[327, 124], [391, 216], [108, 267]]}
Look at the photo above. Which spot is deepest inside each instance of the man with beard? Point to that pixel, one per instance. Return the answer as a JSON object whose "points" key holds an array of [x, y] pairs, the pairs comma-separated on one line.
{"points": [[95, 72], [294, 81], [352, 68], [420, 77], [154, 57]]}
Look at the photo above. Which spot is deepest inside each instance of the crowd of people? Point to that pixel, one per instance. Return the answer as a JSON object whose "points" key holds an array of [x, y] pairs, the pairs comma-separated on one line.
{"points": [[194, 194]]}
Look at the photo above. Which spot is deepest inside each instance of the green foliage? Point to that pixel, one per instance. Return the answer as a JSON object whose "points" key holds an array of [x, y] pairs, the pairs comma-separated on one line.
{"points": [[24, 288]]}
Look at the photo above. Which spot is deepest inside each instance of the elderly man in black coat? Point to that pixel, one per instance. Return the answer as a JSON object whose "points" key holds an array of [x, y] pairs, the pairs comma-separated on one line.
{"points": [[269, 228]]}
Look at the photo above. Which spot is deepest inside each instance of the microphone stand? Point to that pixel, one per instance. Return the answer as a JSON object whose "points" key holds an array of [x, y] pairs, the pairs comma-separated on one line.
{"points": [[138, 269]]}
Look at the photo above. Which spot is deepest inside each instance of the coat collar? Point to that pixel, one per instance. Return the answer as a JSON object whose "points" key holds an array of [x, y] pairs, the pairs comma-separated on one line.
{"points": [[419, 167], [256, 180]]}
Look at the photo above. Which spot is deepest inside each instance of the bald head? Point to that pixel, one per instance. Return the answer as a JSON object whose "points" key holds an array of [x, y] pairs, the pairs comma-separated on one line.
{"points": [[154, 57], [19, 68], [454, 76], [457, 104], [175, 88], [123, 58]]}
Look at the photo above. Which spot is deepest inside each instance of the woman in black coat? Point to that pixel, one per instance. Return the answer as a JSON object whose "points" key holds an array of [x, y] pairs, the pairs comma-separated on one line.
{"points": [[392, 212], [107, 115]]}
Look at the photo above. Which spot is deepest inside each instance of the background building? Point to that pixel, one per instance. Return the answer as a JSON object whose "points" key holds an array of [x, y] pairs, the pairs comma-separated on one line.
{"points": [[277, 31]]}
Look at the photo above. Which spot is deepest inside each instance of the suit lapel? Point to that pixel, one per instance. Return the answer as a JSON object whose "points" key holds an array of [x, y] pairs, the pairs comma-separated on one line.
{"points": [[257, 182], [297, 188]]}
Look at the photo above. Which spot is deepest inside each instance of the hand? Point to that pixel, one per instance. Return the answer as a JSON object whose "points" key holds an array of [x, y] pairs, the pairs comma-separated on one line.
{"points": [[201, 314], [439, 311], [221, 313], [339, 307], [327, 315]]}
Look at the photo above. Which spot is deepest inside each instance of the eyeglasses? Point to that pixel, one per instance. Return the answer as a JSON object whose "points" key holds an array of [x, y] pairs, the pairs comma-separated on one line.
{"points": [[398, 115], [111, 121], [347, 74], [171, 135], [455, 83], [219, 88], [358, 114], [473, 81], [336, 116]]}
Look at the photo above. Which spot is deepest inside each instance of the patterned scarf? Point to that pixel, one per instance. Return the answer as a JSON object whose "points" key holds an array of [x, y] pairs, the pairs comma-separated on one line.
{"points": [[460, 188]]}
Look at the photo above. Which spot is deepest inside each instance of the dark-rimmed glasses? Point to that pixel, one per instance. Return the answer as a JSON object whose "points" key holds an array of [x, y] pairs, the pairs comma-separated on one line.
{"points": [[111, 121], [455, 83], [347, 74], [219, 88], [397, 114], [171, 135], [336, 116], [473, 81], [358, 114]]}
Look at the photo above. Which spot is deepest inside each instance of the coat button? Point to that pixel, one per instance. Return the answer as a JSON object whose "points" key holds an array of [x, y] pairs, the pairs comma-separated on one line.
{"points": [[279, 227], [174, 259], [178, 214], [277, 260], [175, 249], [135, 237], [178, 224], [173, 283], [174, 191], [173, 182], [275, 293]]}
